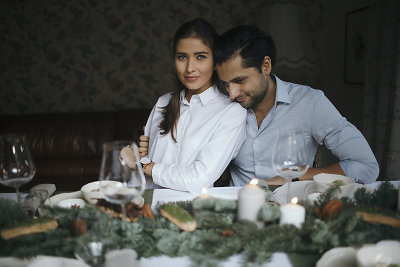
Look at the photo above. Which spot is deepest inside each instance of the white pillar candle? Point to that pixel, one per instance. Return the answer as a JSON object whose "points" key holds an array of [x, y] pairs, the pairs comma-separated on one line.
{"points": [[292, 213], [251, 199]]}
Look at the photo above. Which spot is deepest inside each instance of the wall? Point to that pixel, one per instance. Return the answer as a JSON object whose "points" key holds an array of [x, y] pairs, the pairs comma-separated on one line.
{"points": [[348, 98], [70, 56]]}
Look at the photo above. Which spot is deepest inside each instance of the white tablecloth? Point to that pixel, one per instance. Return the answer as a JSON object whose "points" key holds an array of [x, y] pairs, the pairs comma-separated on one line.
{"points": [[168, 195]]}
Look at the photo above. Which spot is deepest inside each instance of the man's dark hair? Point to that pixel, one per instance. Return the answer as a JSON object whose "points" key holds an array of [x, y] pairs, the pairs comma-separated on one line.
{"points": [[246, 41]]}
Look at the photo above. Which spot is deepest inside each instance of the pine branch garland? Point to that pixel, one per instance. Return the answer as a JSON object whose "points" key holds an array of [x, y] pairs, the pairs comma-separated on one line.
{"points": [[219, 233]]}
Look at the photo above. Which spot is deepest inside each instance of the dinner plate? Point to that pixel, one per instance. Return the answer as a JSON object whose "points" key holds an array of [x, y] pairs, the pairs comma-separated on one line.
{"points": [[324, 180], [297, 190], [54, 200], [383, 253], [340, 256], [71, 202]]}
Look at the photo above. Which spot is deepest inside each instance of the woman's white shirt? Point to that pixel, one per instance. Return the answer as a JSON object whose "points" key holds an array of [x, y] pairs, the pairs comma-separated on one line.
{"points": [[209, 134]]}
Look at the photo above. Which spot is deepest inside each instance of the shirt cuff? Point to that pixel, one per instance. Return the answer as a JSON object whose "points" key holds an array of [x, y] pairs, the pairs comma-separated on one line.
{"points": [[156, 173], [346, 167]]}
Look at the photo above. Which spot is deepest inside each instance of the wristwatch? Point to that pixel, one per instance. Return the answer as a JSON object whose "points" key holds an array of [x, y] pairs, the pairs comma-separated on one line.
{"points": [[145, 161]]}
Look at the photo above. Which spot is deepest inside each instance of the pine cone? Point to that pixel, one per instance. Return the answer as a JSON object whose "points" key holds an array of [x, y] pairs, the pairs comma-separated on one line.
{"points": [[78, 227], [227, 232], [332, 208]]}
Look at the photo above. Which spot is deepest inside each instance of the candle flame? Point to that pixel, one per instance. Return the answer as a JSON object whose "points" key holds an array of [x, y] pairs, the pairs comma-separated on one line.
{"points": [[254, 181], [294, 200], [204, 191]]}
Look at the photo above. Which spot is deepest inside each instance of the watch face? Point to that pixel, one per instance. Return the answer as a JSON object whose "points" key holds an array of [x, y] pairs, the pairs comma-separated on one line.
{"points": [[145, 160]]}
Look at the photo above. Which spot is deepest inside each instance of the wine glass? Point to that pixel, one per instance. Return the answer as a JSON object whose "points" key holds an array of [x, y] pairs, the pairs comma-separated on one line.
{"points": [[312, 192], [127, 175], [16, 162], [290, 157]]}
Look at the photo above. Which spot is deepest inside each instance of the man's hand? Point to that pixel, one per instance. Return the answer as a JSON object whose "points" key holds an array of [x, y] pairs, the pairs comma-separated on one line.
{"points": [[276, 180], [143, 146]]}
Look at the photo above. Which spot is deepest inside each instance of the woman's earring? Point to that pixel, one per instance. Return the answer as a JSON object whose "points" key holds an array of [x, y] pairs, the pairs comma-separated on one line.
{"points": [[214, 68]]}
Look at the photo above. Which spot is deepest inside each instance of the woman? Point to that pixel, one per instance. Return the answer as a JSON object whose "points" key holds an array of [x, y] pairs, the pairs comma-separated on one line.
{"points": [[195, 131]]}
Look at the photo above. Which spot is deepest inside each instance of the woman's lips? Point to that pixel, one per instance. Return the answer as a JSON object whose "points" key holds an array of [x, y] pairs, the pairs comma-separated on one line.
{"points": [[191, 78]]}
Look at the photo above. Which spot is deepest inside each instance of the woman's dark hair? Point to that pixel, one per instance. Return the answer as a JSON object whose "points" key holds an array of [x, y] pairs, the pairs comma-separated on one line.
{"points": [[249, 42], [198, 28]]}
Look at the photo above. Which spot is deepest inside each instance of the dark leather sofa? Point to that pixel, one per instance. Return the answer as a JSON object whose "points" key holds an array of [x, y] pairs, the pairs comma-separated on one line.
{"points": [[67, 147]]}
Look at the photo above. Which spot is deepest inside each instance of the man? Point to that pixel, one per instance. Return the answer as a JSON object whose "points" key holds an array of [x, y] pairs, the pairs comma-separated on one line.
{"points": [[244, 58]]}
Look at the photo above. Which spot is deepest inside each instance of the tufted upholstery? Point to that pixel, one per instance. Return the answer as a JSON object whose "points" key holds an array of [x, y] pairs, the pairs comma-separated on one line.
{"points": [[67, 147]]}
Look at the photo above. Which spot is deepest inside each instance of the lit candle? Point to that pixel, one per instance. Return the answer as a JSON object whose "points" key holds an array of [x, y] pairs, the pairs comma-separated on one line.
{"points": [[204, 201], [292, 213], [204, 193], [251, 199]]}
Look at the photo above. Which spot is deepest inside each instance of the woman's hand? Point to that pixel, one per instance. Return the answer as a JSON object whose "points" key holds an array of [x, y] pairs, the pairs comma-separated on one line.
{"points": [[148, 169], [143, 145]]}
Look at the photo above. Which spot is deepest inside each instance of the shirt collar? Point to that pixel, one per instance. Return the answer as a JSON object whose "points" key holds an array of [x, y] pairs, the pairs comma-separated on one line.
{"points": [[205, 97], [282, 93]]}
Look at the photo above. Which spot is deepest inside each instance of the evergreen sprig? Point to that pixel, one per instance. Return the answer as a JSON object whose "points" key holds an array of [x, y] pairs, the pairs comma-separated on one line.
{"points": [[209, 243]]}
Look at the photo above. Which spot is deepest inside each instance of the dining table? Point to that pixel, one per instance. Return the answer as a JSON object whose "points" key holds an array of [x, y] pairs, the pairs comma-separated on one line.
{"points": [[154, 197]]}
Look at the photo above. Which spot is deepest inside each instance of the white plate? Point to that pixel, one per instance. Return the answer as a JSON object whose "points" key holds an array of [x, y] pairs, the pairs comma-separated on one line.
{"points": [[54, 200], [378, 255], [325, 180], [279, 195], [297, 189], [389, 243], [71, 202], [91, 191], [340, 256]]}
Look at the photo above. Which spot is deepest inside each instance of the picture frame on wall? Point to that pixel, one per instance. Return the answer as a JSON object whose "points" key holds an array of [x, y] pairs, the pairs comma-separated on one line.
{"points": [[356, 34]]}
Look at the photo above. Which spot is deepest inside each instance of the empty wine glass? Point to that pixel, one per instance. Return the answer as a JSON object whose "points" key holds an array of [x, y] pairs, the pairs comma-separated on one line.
{"points": [[290, 157], [312, 192], [16, 162], [127, 175]]}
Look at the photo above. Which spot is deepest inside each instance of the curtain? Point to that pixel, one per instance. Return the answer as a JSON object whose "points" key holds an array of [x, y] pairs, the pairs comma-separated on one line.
{"points": [[382, 87]]}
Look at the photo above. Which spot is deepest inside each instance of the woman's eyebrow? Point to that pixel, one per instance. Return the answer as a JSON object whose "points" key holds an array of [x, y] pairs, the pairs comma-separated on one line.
{"points": [[201, 52]]}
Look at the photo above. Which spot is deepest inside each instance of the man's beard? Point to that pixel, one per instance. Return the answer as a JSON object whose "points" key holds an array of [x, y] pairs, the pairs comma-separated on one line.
{"points": [[256, 99]]}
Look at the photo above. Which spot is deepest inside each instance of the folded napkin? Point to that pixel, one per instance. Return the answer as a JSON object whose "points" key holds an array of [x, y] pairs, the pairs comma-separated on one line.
{"points": [[36, 197], [42, 188]]}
